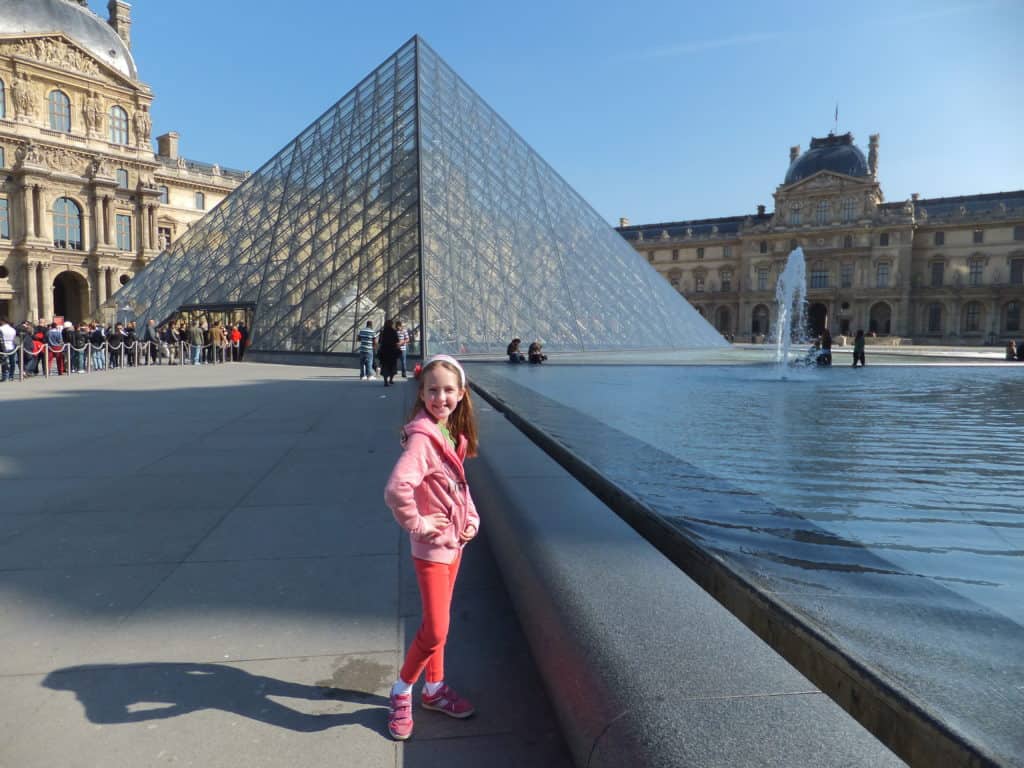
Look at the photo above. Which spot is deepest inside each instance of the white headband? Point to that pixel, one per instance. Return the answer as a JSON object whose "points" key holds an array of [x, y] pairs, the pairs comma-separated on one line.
{"points": [[451, 361]]}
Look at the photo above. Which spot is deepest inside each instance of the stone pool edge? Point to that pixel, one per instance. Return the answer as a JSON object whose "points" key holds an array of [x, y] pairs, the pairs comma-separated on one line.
{"points": [[894, 717]]}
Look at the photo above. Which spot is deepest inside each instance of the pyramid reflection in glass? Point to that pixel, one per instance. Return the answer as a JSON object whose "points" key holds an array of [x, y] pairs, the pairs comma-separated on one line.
{"points": [[412, 198]]}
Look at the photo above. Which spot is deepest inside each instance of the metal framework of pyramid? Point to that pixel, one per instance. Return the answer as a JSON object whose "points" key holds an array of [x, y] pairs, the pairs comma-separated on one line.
{"points": [[411, 198]]}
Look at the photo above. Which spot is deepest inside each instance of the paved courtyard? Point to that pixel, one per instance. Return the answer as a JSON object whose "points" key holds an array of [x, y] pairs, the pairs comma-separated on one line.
{"points": [[197, 568]]}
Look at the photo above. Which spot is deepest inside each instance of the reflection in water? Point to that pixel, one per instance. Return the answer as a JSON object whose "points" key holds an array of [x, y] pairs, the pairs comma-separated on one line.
{"points": [[885, 505]]}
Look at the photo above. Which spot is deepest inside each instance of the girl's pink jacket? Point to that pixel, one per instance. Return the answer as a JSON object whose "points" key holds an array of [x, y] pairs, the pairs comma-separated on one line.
{"points": [[429, 477]]}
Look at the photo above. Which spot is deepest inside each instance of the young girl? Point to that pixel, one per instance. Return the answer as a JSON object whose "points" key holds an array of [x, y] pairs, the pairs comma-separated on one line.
{"points": [[428, 495]]}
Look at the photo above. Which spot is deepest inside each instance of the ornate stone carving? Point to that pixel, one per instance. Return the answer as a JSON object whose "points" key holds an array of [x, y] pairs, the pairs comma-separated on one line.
{"points": [[23, 96], [217, 172], [60, 54], [99, 167], [29, 154], [60, 159], [93, 113], [143, 125], [664, 232]]}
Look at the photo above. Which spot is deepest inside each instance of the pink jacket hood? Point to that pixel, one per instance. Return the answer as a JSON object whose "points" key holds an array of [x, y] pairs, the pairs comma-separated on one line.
{"points": [[429, 477]]}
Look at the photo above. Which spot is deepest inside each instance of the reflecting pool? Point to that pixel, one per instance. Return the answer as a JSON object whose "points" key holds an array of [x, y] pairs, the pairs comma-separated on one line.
{"points": [[885, 505]]}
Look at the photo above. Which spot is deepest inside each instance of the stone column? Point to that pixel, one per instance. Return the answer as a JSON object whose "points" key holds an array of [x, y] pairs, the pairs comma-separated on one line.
{"points": [[110, 221], [37, 213], [152, 228], [32, 289], [46, 284], [101, 286]]}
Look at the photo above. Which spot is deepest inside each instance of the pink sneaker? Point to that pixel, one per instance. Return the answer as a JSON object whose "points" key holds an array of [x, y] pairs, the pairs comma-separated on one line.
{"points": [[400, 716], [448, 701]]}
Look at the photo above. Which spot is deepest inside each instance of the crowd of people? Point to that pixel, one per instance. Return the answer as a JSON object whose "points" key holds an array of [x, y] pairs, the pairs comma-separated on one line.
{"points": [[66, 348], [534, 353], [383, 352]]}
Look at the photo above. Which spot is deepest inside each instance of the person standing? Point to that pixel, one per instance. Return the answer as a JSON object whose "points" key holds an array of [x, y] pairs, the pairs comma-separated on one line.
{"points": [[97, 340], [826, 348], [367, 346], [403, 346], [55, 342], [428, 496], [8, 345], [858, 349], [196, 337], [151, 343], [116, 340], [387, 351]]}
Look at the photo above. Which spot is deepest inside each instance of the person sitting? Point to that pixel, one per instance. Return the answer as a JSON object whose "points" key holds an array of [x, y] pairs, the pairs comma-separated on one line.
{"points": [[535, 355], [1011, 350], [514, 355]]}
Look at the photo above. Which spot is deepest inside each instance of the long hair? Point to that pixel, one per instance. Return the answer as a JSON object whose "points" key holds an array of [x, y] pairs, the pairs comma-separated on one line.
{"points": [[462, 422]]}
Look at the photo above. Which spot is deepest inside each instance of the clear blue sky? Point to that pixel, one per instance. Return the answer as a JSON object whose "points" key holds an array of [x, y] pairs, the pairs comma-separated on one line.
{"points": [[656, 110]]}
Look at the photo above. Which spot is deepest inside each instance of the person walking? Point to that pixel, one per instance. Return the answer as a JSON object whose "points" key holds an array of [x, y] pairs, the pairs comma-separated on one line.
{"points": [[196, 337], [858, 349], [429, 497], [367, 345], [388, 352], [8, 347], [403, 346]]}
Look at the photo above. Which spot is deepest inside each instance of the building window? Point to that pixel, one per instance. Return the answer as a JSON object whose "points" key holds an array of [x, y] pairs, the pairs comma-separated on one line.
{"points": [[821, 213], [727, 281], [60, 112], [848, 241], [1013, 316], [700, 254], [979, 236], [935, 318], [3, 99], [163, 236], [122, 178], [726, 251], [675, 254], [883, 239], [5, 220], [3, 158], [118, 125], [67, 224], [847, 209], [762, 279], [794, 215], [200, 201], [940, 238], [1018, 232], [700, 284], [938, 274], [1017, 272], [819, 276], [759, 320], [763, 246], [972, 317], [882, 276], [974, 272], [165, 195], [124, 232], [846, 276]]}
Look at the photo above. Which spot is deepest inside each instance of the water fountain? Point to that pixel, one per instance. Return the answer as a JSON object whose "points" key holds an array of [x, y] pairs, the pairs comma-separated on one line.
{"points": [[791, 301]]}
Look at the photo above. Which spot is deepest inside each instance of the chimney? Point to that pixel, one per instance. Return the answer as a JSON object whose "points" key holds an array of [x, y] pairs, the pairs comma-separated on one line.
{"points": [[623, 222], [760, 210], [873, 154], [794, 153], [120, 19], [167, 145], [915, 196]]}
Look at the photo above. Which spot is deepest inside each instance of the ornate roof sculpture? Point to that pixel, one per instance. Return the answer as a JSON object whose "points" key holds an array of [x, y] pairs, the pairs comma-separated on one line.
{"points": [[24, 18], [412, 198]]}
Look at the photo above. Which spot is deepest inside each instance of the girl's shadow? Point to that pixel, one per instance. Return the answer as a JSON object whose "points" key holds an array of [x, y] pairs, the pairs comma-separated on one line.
{"points": [[132, 693]]}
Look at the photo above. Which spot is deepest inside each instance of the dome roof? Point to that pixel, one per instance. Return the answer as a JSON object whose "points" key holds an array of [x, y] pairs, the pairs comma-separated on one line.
{"points": [[37, 17], [833, 153]]}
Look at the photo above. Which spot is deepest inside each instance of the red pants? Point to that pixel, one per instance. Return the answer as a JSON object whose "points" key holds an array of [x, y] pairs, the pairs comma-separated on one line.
{"points": [[437, 582], [58, 354]]}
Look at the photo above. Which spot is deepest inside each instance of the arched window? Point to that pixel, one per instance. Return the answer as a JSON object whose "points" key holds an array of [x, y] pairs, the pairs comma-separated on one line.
{"points": [[67, 224], [3, 99], [1013, 316], [821, 212], [759, 320], [60, 112], [118, 125], [935, 318], [880, 319]]}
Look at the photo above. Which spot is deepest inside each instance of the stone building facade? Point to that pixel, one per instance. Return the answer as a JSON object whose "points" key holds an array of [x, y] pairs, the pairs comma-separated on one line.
{"points": [[932, 271], [85, 202]]}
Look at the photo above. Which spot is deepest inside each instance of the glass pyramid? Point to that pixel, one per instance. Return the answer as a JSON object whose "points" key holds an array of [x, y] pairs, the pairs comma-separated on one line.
{"points": [[412, 198]]}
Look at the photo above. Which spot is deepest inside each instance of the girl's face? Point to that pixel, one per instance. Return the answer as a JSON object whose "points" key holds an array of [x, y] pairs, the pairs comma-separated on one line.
{"points": [[441, 392]]}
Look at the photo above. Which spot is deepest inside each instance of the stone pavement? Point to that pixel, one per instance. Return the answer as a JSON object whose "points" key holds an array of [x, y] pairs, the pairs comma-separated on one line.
{"points": [[197, 568]]}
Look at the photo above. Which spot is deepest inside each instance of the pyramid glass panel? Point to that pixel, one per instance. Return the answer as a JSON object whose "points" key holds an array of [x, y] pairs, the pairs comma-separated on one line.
{"points": [[412, 198]]}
